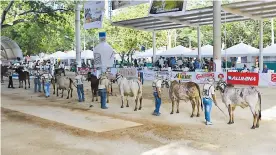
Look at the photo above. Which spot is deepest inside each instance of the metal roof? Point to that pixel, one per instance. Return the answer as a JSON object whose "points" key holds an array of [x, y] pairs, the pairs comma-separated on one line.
{"points": [[231, 12], [10, 49]]}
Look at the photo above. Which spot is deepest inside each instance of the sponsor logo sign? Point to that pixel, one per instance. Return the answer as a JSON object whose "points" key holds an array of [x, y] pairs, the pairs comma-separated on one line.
{"points": [[83, 70], [183, 76], [128, 72], [273, 77], [167, 8], [239, 78], [200, 76]]}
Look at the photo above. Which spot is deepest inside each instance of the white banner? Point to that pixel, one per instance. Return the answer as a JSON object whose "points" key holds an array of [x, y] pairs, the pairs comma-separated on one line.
{"points": [[121, 4], [149, 75], [167, 8], [93, 14], [201, 77], [267, 79]]}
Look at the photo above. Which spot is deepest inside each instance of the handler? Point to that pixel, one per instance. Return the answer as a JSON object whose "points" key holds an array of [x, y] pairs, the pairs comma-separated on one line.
{"points": [[10, 79], [47, 83], [208, 98], [79, 81], [102, 94], [37, 82], [156, 85]]}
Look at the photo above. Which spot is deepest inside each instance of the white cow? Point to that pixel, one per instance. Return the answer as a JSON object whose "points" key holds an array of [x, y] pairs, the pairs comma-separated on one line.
{"points": [[242, 97], [130, 88]]}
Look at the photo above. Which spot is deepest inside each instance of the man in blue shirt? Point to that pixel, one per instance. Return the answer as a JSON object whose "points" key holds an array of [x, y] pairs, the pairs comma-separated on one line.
{"points": [[265, 70]]}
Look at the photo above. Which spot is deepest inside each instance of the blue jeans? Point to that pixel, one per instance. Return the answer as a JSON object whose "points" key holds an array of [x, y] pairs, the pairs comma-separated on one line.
{"points": [[37, 85], [47, 88], [80, 92], [157, 103], [208, 107], [103, 95]]}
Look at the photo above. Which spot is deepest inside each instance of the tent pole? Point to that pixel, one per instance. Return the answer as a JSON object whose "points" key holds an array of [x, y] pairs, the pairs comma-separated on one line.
{"points": [[77, 32], [217, 35], [261, 46], [225, 46], [272, 32], [154, 46], [199, 43]]}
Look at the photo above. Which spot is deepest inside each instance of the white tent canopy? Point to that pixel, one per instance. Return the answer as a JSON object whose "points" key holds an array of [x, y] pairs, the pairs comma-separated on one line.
{"points": [[59, 55], [176, 51], [206, 51], [270, 50], [87, 54], [241, 50], [148, 53]]}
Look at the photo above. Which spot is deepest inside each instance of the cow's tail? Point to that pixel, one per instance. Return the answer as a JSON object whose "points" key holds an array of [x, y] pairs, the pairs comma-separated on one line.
{"points": [[260, 102], [198, 89]]}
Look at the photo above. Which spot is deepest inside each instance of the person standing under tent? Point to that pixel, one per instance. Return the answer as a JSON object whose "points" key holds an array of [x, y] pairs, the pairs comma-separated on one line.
{"points": [[47, 83], [208, 98], [103, 95], [265, 70], [37, 82], [79, 82], [180, 63], [156, 86], [10, 85]]}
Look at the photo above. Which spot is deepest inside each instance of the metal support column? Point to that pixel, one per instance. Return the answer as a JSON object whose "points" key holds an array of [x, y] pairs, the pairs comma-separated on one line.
{"points": [[272, 32], [154, 46], [217, 35], [77, 33], [261, 46], [199, 43]]}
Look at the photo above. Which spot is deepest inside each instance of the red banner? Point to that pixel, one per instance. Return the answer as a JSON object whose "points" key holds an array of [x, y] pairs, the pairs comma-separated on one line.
{"points": [[273, 77], [83, 70], [239, 78]]}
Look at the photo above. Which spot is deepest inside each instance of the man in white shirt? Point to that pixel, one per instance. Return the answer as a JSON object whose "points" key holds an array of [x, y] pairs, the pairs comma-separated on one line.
{"points": [[208, 98], [156, 86], [62, 67], [79, 82], [161, 62], [179, 63]]}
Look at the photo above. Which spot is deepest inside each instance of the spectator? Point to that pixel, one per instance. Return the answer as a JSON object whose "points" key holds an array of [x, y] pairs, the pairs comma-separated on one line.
{"points": [[265, 70], [196, 64], [161, 62], [211, 65], [179, 63]]}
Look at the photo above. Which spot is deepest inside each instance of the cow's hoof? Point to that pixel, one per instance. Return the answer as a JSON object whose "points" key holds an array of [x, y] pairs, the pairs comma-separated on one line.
{"points": [[171, 112], [127, 105], [25, 88], [140, 108], [67, 98], [257, 126], [253, 127], [107, 101], [198, 115], [122, 106], [92, 100], [135, 109], [192, 116], [177, 111]]}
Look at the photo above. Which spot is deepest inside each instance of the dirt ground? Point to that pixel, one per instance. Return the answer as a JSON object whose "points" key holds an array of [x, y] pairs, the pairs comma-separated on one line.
{"points": [[26, 134]]}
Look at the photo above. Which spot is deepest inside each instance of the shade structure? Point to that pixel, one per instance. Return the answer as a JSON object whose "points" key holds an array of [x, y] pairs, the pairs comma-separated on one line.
{"points": [[71, 54], [87, 54], [9, 49], [176, 51], [206, 51], [270, 50], [59, 55], [148, 53], [241, 50]]}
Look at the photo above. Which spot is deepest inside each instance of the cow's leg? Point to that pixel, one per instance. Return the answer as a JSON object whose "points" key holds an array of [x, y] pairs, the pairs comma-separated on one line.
{"points": [[258, 121], [193, 107], [177, 104], [141, 99], [198, 106], [29, 82], [54, 87], [122, 97], [57, 92], [136, 102], [172, 106], [230, 113], [68, 93], [96, 92], [25, 84], [93, 91], [62, 93], [127, 101], [254, 121]]}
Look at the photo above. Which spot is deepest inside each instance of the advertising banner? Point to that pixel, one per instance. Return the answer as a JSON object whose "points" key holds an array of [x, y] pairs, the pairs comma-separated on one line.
{"points": [[239, 78], [183, 76], [128, 72], [220, 76], [83, 70], [267, 79], [121, 4], [164, 74], [149, 75], [93, 14], [200, 77], [167, 7]]}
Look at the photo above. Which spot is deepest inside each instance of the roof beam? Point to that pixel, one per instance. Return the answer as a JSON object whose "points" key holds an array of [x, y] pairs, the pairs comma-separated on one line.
{"points": [[186, 23], [259, 10], [238, 12], [131, 27], [227, 21], [151, 24], [256, 4], [167, 25], [265, 13], [171, 27]]}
